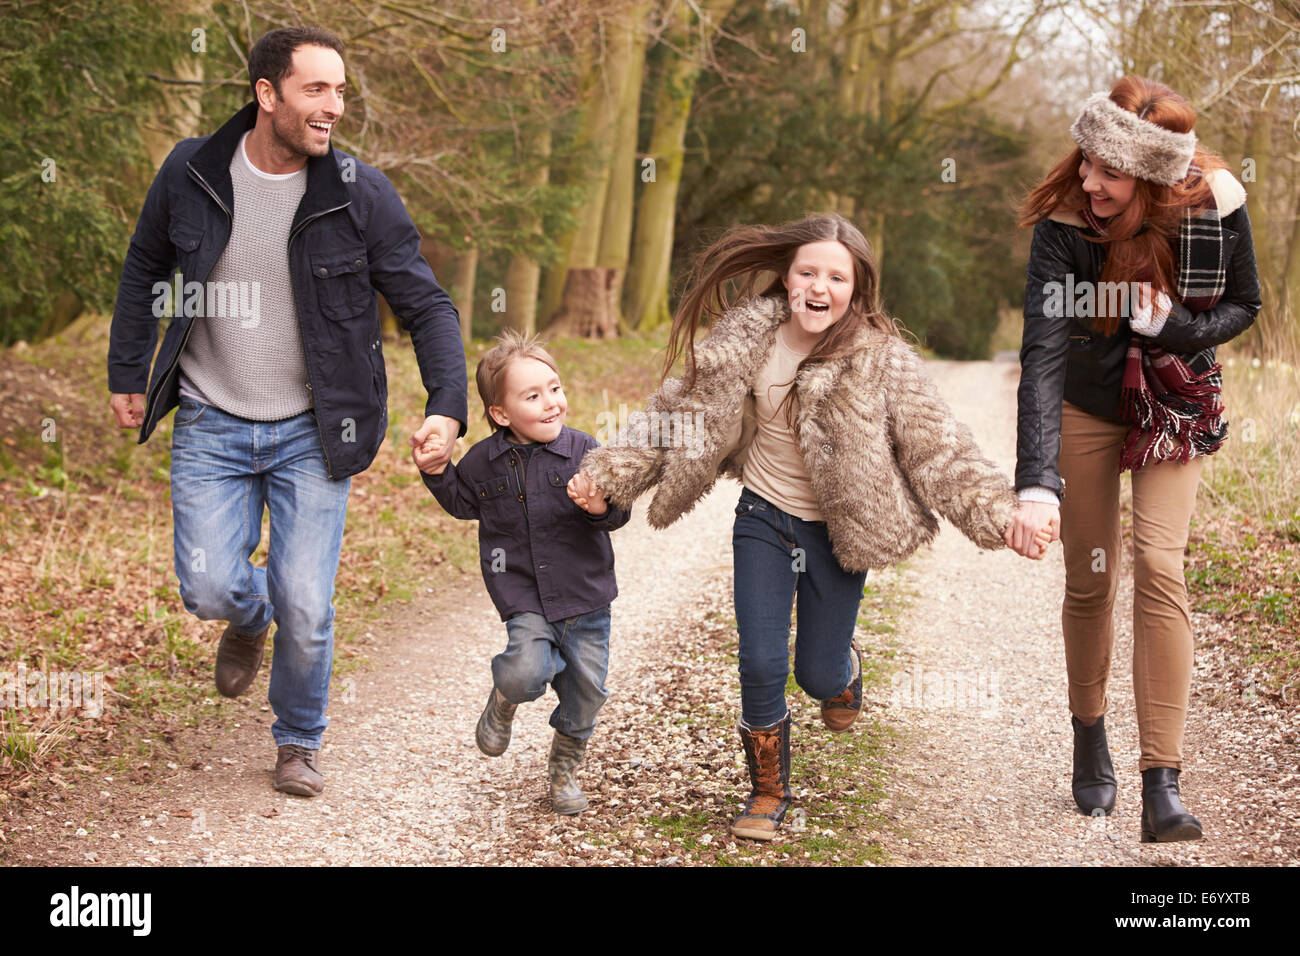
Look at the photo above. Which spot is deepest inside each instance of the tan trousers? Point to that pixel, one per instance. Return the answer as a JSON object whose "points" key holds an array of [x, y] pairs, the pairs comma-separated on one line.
{"points": [[1163, 498]]}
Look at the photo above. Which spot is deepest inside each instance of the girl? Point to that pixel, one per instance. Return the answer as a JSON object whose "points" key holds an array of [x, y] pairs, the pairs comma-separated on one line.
{"points": [[1128, 382], [810, 397]]}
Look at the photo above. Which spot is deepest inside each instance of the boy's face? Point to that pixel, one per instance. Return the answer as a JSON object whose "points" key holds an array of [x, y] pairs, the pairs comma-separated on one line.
{"points": [[532, 402]]}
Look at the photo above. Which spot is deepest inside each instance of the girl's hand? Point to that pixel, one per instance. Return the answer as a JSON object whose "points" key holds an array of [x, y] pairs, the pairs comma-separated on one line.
{"points": [[1034, 520], [586, 495], [1042, 540], [428, 455]]}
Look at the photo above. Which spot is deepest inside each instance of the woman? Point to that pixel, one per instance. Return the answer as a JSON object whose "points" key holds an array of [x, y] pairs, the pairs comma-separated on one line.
{"points": [[808, 395], [1112, 382]]}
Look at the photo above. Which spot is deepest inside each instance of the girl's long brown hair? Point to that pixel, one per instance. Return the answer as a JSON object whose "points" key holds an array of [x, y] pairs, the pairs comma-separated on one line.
{"points": [[1133, 253], [744, 253]]}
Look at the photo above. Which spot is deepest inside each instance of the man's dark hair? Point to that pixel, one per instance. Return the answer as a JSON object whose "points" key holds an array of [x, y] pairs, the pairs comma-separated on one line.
{"points": [[272, 55]]}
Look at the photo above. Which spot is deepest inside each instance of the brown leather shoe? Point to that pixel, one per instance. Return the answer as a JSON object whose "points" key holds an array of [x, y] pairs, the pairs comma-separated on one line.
{"points": [[296, 773], [238, 658], [767, 750], [839, 713]]}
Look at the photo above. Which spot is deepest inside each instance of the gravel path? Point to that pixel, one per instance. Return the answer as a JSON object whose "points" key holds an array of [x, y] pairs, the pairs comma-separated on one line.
{"points": [[978, 772], [984, 777], [404, 782]]}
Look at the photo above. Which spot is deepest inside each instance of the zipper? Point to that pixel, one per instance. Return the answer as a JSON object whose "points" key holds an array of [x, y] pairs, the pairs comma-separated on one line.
{"points": [[521, 476], [157, 389], [329, 468]]}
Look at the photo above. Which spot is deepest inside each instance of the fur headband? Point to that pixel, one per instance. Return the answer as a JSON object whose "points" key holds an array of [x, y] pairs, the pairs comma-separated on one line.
{"points": [[1131, 144]]}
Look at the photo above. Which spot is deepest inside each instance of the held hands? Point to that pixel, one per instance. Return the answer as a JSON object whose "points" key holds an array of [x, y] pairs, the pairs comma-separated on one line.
{"points": [[1035, 526], [432, 445], [586, 495]]}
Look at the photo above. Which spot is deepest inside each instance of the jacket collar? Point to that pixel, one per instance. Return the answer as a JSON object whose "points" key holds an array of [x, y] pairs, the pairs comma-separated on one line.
{"points": [[740, 343], [562, 445], [211, 162]]}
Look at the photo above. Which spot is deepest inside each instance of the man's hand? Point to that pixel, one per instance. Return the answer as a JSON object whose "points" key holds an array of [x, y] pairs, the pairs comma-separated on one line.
{"points": [[128, 409], [1032, 518], [430, 459], [586, 495]]}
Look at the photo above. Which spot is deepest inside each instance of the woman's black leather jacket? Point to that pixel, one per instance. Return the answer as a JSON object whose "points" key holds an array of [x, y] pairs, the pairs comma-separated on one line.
{"points": [[1063, 358]]}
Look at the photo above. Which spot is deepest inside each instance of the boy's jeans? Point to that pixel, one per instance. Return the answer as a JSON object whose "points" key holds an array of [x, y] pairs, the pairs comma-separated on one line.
{"points": [[571, 655], [776, 555], [225, 470]]}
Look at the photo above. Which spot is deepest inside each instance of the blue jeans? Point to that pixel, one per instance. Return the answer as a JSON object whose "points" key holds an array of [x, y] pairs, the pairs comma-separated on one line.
{"points": [[225, 470], [776, 556], [571, 655]]}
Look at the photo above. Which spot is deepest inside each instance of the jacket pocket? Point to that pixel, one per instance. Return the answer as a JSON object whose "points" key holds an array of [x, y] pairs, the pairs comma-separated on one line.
{"points": [[496, 487], [342, 283]]}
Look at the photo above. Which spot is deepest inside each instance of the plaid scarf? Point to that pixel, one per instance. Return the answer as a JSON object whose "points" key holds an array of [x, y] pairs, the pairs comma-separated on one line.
{"points": [[1174, 410]]}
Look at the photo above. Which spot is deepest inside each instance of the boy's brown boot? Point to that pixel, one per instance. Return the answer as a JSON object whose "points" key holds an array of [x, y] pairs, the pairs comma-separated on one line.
{"points": [[562, 769], [839, 713], [767, 750], [493, 731]]}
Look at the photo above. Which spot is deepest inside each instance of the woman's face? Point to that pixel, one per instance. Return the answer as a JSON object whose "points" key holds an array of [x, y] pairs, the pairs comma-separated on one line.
{"points": [[820, 286], [1110, 190]]}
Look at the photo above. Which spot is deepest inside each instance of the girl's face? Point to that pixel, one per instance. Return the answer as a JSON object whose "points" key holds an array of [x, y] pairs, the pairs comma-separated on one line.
{"points": [[532, 401], [820, 286], [1110, 190]]}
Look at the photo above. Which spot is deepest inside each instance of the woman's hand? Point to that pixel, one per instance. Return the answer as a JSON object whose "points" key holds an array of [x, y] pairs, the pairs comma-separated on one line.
{"points": [[1035, 525]]}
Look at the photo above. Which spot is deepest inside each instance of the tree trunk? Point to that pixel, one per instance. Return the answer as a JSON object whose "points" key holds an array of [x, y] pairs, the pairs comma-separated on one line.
{"points": [[598, 114], [588, 309], [1286, 341], [523, 275], [616, 223], [645, 298], [462, 289]]}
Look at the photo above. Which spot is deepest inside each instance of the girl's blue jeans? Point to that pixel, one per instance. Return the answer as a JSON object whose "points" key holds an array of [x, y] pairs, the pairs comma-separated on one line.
{"points": [[779, 556]]}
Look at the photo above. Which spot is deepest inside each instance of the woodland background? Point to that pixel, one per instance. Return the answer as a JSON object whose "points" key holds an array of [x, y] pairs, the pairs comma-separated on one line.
{"points": [[565, 159]]}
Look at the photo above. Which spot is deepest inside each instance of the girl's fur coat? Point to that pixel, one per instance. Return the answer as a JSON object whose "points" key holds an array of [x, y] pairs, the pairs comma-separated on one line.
{"points": [[881, 446]]}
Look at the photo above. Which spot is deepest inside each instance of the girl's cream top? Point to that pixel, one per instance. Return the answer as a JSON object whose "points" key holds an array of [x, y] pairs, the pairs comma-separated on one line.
{"points": [[775, 467]]}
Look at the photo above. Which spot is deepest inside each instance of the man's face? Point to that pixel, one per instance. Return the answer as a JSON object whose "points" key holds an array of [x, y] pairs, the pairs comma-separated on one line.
{"points": [[310, 101]]}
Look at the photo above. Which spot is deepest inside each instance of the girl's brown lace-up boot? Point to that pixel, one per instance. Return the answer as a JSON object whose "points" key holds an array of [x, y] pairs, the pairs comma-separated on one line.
{"points": [[767, 749]]}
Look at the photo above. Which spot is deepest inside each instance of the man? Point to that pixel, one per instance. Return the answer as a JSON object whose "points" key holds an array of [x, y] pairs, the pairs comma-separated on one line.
{"points": [[273, 355]]}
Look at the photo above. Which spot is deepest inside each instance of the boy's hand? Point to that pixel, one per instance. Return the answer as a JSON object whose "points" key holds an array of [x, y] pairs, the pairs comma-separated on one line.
{"points": [[1042, 540], [428, 455], [586, 495]]}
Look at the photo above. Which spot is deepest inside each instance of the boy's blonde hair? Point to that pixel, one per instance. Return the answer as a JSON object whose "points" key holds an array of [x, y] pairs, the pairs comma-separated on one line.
{"points": [[490, 376]]}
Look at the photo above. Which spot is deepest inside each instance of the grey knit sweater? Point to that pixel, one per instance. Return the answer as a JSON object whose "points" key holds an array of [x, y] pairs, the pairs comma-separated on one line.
{"points": [[246, 358]]}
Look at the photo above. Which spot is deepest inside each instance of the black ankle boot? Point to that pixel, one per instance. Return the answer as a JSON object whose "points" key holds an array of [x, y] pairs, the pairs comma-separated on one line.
{"points": [[1093, 783], [1164, 818]]}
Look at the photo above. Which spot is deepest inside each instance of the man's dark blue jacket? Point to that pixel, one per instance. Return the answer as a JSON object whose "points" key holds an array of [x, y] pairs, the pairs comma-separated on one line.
{"points": [[538, 550], [350, 236]]}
